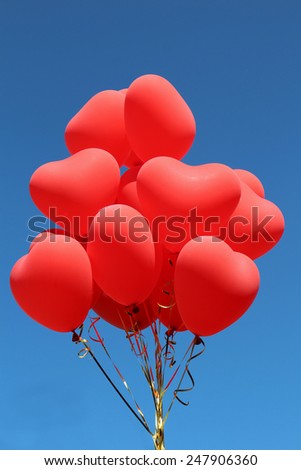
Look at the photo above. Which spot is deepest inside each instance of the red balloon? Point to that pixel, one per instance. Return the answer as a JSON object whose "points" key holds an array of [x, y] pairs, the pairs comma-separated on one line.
{"points": [[184, 201], [100, 124], [122, 254], [252, 181], [214, 286], [76, 188], [157, 119], [134, 318], [255, 226], [127, 193], [53, 283]]}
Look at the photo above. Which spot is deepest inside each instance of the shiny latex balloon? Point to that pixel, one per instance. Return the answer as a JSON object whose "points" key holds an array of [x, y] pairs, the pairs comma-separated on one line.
{"points": [[183, 201], [53, 283], [71, 191], [255, 226], [100, 124], [157, 119], [122, 254], [127, 193], [214, 285], [252, 181], [133, 318]]}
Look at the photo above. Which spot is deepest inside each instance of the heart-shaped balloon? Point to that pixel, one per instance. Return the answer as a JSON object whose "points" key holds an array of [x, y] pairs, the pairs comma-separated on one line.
{"points": [[100, 124], [71, 191], [252, 181], [122, 254], [157, 119], [214, 285], [196, 199], [53, 283], [255, 226]]}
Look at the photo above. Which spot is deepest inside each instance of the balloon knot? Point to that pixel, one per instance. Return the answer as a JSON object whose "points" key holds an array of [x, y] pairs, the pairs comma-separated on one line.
{"points": [[170, 332], [75, 337], [197, 340]]}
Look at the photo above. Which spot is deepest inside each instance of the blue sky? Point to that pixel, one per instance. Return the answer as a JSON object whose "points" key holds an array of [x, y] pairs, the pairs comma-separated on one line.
{"points": [[237, 64]]}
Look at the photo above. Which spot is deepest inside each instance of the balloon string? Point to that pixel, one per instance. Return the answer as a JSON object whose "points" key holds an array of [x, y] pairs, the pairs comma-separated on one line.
{"points": [[165, 356], [78, 339], [179, 366], [140, 345], [149, 373], [196, 342], [101, 341], [169, 351], [158, 389], [146, 367], [139, 348], [142, 357], [158, 360]]}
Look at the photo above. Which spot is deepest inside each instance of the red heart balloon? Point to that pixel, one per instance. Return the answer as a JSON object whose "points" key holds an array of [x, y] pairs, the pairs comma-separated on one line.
{"points": [[174, 191], [252, 181], [135, 318], [122, 254], [76, 188], [255, 226], [157, 119], [100, 124], [53, 283], [214, 286]]}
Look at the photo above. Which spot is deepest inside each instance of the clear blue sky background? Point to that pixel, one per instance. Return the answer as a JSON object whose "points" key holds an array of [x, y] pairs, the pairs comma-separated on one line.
{"points": [[237, 63]]}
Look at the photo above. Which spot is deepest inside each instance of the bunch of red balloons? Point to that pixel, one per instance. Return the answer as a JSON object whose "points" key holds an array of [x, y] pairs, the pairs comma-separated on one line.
{"points": [[165, 240]]}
